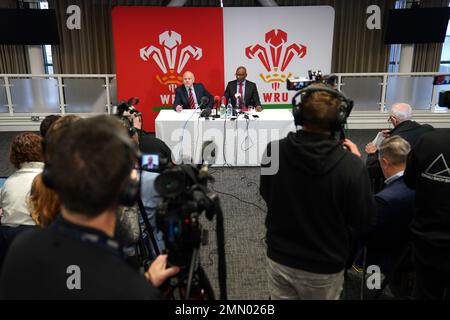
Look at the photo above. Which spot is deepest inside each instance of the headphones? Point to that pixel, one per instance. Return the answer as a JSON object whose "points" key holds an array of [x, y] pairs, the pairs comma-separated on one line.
{"points": [[130, 191], [344, 110]]}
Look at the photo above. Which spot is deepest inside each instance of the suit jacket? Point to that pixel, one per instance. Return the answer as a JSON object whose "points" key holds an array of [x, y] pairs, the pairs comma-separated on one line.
{"points": [[251, 96], [182, 98], [408, 130], [389, 233]]}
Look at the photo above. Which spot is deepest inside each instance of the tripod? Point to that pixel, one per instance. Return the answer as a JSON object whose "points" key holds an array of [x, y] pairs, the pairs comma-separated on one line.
{"points": [[147, 254], [191, 283]]}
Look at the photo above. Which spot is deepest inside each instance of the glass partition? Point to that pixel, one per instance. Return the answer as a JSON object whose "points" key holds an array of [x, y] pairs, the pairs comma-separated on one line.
{"points": [[364, 91], [85, 95], [415, 90], [35, 95]]}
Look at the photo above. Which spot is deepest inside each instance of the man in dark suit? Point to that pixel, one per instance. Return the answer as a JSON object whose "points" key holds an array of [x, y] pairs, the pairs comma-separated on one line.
{"points": [[248, 92], [190, 94], [400, 116], [389, 233]]}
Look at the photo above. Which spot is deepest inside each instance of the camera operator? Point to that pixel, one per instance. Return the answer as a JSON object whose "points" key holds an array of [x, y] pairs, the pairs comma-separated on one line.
{"points": [[148, 143], [77, 257], [318, 200]]}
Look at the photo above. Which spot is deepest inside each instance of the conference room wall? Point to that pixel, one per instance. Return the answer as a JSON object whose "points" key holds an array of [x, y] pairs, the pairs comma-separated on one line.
{"points": [[90, 49]]}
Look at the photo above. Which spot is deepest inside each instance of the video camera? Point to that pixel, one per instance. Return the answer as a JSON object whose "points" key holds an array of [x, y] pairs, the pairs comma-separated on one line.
{"points": [[296, 84], [127, 106], [185, 197]]}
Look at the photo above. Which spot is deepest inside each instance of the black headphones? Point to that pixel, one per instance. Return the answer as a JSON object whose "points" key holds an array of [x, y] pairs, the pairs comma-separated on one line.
{"points": [[344, 110], [130, 191]]}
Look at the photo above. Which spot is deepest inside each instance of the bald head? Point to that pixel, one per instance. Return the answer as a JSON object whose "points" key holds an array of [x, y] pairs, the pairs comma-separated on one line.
{"points": [[241, 73], [401, 112], [188, 79]]}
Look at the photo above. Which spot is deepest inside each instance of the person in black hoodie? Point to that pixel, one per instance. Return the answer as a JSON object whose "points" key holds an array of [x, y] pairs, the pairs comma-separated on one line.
{"points": [[428, 172], [318, 200]]}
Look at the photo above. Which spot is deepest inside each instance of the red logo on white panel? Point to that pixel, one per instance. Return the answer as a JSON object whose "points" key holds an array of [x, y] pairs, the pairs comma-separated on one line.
{"points": [[275, 56]]}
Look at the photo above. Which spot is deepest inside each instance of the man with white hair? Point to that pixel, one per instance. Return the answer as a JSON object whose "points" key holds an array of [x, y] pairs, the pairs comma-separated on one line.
{"points": [[190, 94], [400, 116]]}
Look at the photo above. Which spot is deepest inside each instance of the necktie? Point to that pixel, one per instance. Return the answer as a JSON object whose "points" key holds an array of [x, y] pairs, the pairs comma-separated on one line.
{"points": [[242, 95], [191, 99]]}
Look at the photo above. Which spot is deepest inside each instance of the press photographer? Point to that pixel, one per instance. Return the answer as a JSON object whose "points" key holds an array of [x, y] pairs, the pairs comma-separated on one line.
{"points": [[77, 256], [148, 143]]}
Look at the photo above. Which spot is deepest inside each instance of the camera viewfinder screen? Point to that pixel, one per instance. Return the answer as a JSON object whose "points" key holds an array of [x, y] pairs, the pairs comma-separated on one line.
{"points": [[150, 162]]}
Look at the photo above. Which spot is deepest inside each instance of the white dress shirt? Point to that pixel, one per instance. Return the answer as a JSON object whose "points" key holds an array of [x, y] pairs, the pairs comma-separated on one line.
{"points": [[14, 195]]}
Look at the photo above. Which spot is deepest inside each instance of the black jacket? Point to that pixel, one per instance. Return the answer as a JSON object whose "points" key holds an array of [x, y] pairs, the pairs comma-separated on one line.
{"points": [[182, 98], [251, 96], [408, 130], [318, 200], [428, 171], [36, 267]]}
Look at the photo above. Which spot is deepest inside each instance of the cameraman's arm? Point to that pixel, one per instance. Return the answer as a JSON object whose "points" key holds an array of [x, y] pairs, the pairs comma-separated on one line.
{"points": [[157, 272]]}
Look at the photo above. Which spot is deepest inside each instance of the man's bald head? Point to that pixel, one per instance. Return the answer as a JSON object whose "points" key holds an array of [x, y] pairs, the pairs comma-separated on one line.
{"points": [[241, 73], [188, 78], [401, 111]]}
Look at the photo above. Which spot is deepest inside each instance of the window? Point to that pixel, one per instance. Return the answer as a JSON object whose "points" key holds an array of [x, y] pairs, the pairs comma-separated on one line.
{"points": [[445, 57], [47, 49], [394, 54]]}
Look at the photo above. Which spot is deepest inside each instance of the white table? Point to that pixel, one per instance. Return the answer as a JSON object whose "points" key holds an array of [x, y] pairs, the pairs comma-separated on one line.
{"points": [[239, 142]]}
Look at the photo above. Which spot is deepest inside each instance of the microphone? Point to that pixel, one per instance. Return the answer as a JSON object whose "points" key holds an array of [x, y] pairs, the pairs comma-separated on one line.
{"points": [[206, 112], [217, 101], [237, 95], [203, 102]]}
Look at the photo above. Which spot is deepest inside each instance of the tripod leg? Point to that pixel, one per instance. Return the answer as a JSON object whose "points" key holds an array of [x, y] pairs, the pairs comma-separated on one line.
{"points": [[148, 227], [191, 272]]}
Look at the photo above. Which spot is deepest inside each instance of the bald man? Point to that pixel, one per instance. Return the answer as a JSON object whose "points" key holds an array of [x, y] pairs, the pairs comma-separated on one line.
{"points": [[249, 96], [400, 116], [190, 94]]}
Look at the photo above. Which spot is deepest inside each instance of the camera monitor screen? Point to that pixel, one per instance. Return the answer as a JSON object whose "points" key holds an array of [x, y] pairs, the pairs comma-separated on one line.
{"points": [[150, 162], [296, 84]]}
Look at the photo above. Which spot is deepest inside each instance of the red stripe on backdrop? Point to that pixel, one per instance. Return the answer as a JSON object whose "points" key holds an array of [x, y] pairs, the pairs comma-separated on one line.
{"points": [[154, 46]]}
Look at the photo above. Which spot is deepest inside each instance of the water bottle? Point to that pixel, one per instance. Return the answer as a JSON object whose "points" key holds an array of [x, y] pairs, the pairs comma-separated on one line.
{"points": [[229, 110], [222, 109]]}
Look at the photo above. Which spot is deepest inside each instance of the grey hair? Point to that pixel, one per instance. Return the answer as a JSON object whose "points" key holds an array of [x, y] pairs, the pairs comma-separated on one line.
{"points": [[395, 149], [402, 111]]}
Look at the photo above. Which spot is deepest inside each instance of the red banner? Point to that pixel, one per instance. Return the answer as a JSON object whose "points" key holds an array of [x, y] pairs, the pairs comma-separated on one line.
{"points": [[154, 46]]}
